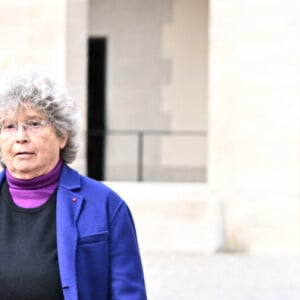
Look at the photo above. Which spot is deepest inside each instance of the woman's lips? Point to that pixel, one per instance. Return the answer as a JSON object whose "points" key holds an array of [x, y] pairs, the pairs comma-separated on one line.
{"points": [[23, 154]]}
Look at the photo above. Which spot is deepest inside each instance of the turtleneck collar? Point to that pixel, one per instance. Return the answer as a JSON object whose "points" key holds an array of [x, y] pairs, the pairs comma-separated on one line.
{"points": [[33, 192]]}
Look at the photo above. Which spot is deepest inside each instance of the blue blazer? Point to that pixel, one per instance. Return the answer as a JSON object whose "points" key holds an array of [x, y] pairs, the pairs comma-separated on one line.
{"points": [[97, 246]]}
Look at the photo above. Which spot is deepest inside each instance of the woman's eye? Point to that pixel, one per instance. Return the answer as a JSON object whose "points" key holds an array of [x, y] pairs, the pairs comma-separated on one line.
{"points": [[34, 123], [10, 126]]}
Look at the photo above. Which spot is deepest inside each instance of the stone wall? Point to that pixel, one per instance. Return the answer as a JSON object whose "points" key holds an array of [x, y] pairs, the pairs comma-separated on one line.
{"points": [[254, 122], [244, 90], [156, 80], [33, 35]]}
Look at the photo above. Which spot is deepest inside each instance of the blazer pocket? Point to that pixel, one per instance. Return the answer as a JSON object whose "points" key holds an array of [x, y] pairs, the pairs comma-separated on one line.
{"points": [[94, 238], [93, 266]]}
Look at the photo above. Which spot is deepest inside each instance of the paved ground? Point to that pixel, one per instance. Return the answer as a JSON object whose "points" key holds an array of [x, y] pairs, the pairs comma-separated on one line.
{"points": [[221, 277]]}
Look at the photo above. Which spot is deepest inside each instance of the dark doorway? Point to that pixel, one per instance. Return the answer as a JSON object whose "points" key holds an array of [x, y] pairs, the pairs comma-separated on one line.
{"points": [[96, 107]]}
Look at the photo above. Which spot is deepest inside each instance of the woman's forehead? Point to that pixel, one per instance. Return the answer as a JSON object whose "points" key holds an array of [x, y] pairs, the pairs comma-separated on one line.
{"points": [[21, 111]]}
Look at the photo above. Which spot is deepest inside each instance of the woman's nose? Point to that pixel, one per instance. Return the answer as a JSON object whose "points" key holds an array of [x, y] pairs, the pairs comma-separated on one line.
{"points": [[21, 134]]}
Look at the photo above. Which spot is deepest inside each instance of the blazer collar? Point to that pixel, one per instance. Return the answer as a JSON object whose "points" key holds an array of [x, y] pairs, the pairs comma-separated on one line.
{"points": [[69, 179], [2, 175]]}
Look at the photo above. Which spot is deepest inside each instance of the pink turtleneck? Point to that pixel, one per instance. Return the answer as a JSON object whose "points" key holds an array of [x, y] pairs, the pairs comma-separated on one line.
{"points": [[33, 192]]}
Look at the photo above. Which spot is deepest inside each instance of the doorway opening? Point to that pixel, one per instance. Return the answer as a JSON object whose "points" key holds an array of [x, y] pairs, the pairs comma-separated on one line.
{"points": [[97, 48]]}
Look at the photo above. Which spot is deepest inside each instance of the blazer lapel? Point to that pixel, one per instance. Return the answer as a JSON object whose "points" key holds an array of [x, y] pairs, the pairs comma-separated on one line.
{"points": [[67, 212]]}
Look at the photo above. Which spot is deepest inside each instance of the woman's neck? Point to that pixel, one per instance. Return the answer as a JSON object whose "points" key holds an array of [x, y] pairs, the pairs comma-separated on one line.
{"points": [[33, 192]]}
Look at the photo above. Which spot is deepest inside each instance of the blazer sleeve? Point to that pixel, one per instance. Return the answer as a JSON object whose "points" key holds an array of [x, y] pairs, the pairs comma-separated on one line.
{"points": [[127, 279]]}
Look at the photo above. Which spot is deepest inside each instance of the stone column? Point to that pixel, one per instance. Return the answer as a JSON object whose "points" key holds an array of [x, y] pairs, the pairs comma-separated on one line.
{"points": [[254, 122], [76, 66]]}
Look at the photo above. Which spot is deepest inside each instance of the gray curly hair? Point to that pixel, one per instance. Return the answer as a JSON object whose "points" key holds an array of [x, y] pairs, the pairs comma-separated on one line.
{"points": [[48, 98]]}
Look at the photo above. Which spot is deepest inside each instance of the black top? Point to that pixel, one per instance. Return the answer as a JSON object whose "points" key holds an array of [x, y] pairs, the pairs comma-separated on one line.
{"points": [[28, 252]]}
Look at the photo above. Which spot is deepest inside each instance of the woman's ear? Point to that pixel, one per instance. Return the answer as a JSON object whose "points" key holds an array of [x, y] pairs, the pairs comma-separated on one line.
{"points": [[63, 141]]}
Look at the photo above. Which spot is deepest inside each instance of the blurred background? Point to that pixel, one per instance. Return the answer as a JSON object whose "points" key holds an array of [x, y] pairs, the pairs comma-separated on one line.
{"points": [[190, 110]]}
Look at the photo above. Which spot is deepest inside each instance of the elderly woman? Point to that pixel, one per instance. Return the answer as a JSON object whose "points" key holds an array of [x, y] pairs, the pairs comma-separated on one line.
{"points": [[62, 235]]}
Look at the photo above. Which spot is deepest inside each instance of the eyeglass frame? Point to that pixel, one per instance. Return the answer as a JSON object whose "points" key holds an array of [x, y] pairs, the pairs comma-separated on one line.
{"points": [[27, 127]]}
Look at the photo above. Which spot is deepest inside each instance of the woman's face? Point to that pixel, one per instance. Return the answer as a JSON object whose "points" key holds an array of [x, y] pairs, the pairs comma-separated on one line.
{"points": [[29, 153]]}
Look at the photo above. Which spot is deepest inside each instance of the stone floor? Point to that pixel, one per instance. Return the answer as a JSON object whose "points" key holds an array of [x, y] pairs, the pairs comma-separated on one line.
{"points": [[221, 277]]}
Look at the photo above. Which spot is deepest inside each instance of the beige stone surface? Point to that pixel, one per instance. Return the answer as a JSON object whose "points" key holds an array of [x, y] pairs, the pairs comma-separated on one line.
{"points": [[222, 277], [262, 227], [250, 202], [180, 217], [33, 34], [185, 218], [254, 122], [156, 79]]}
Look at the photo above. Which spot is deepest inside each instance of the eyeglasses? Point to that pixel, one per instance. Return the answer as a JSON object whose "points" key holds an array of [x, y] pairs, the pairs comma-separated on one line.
{"points": [[34, 126]]}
